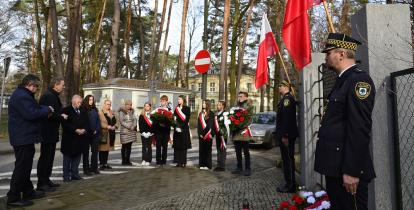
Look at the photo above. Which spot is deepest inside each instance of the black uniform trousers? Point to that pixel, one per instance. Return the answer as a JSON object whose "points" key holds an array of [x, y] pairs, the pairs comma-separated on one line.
{"points": [[162, 145], [205, 159], [93, 144], [221, 153], [45, 163], [288, 158], [239, 146], [20, 181], [342, 200], [146, 149]]}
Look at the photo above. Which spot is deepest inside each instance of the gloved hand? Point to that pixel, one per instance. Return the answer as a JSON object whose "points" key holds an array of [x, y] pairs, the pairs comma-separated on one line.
{"points": [[178, 130]]}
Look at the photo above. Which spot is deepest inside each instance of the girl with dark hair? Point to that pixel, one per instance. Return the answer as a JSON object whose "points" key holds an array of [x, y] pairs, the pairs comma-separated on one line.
{"points": [[147, 134], [205, 135], [88, 104], [181, 136]]}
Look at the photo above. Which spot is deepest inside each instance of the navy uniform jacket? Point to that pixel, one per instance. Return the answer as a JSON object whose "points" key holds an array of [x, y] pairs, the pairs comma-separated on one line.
{"points": [[286, 125], [345, 132]]}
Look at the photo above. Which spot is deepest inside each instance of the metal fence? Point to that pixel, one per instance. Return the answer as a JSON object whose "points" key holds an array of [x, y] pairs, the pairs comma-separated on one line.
{"points": [[402, 84]]}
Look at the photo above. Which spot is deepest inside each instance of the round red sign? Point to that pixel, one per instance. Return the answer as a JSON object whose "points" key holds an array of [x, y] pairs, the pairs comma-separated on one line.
{"points": [[202, 61]]}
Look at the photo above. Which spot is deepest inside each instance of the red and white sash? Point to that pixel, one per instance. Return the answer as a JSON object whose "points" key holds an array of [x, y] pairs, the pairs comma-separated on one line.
{"points": [[180, 113], [216, 124], [147, 120], [206, 137], [247, 132]]}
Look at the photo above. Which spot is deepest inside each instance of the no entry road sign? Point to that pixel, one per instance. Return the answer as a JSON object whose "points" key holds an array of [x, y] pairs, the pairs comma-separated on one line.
{"points": [[202, 61]]}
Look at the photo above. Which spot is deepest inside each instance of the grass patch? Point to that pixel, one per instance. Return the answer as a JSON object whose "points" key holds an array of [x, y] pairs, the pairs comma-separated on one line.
{"points": [[4, 127]]}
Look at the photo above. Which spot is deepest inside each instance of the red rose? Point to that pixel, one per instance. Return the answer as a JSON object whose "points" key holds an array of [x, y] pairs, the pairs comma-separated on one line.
{"points": [[238, 114], [284, 204], [237, 122], [298, 200], [293, 208], [232, 118], [241, 119]]}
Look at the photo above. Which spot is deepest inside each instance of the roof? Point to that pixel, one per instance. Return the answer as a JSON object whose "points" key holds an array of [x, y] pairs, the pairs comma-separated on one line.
{"points": [[133, 83]]}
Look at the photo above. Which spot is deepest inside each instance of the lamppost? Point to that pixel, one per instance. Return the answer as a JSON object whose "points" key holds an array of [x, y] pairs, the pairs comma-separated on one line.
{"points": [[6, 68]]}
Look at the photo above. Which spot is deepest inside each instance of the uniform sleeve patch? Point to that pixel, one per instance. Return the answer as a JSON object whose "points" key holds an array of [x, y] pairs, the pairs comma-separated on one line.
{"points": [[286, 102], [362, 90]]}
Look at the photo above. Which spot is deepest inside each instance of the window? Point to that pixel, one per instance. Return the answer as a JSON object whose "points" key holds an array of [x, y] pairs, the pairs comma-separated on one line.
{"points": [[212, 103], [200, 86], [249, 87], [191, 104], [212, 87], [192, 87]]}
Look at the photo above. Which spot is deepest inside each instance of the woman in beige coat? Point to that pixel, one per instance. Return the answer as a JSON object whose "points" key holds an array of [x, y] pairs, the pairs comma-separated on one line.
{"points": [[108, 124], [128, 131]]}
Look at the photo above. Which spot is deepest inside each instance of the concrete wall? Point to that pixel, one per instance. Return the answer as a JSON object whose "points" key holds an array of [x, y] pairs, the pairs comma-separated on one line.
{"points": [[385, 33], [309, 92]]}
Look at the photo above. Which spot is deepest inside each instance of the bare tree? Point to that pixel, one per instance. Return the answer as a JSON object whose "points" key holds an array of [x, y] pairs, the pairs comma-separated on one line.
{"points": [[157, 48], [154, 32], [126, 37], [192, 26], [112, 71], [164, 54], [181, 67], [57, 49], [223, 68]]}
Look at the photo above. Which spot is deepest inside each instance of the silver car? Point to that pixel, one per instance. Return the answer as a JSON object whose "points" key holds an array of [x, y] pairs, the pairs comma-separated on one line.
{"points": [[264, 123]]}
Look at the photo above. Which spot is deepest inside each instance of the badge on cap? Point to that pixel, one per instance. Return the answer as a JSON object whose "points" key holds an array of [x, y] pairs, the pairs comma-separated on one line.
{"points": [[362, 90], [286, 102]]}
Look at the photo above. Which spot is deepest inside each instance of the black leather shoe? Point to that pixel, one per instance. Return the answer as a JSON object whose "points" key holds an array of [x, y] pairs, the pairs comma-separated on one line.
{"points": [[45, 188], [66, 180], [107, 166], [87, 173], [51, 184], [36, 194], [247, 172], [218, 169], [96, 172], [237, 171], [286, 189], [76, 178], [20, 203]]}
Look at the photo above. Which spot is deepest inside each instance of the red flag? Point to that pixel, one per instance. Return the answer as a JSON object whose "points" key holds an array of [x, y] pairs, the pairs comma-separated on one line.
{"points": [[295, 32], [267, 47]]}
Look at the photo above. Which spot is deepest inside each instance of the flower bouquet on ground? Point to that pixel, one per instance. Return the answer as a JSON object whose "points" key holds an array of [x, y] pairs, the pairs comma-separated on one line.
{"points": [[162, 116], [240, 120], [306, 200]]}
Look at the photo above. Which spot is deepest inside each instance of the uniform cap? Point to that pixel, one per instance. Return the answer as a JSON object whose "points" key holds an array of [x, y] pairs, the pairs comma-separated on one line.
{"points": [[338, 40]]}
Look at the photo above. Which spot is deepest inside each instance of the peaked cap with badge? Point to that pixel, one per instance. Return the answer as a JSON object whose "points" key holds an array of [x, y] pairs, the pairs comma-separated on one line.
{"points": [[338, 40]]}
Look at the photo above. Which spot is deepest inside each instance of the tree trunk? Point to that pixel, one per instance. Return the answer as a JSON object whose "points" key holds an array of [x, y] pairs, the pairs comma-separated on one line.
{"points": [[154, 32], [126, 37], [33, 60], [95, 70], [279, 8], [157, 48], [77, 51], [234, 36], [112, 70], [48, 45], [344, 22], [242, 44], [141, 54], [223, 66], [39, 55], [57, 50], [181, 56], [164, 55]]}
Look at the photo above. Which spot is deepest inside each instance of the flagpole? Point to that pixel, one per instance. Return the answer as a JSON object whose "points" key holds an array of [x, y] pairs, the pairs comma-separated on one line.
{"points": [[284, 68], [328, 16]]}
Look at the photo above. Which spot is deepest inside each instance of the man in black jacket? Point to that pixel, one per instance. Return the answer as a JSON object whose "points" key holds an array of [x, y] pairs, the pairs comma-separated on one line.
{"points": [[342, 151], [25, 116], [50, 134], [162, 134], [286, 134]]}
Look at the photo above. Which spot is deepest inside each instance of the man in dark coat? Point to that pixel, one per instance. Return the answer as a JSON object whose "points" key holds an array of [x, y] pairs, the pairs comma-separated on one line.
{"points": [[25, 116], [286, 134], [74, 138], [50, 134], [342, 151]]}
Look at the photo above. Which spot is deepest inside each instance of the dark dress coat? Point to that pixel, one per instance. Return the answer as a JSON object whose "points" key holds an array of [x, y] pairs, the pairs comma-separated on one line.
{"points": [[345, 133], [51, 125], [286, 125], [72, 143], [182, 140], [25, 118], [143, 125], [209, 126]]}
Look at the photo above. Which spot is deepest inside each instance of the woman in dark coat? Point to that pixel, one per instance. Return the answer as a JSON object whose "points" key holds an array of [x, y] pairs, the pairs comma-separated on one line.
{"points": [[205, 135], [95, 126], [146, 129], [181, 136]]}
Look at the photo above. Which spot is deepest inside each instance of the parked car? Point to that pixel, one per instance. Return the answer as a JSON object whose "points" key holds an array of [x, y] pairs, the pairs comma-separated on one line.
{"points": [[262, 127]]}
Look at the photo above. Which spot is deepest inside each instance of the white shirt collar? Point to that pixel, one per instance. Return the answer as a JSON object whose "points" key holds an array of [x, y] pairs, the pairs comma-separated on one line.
{"points": [[340, 74]]}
